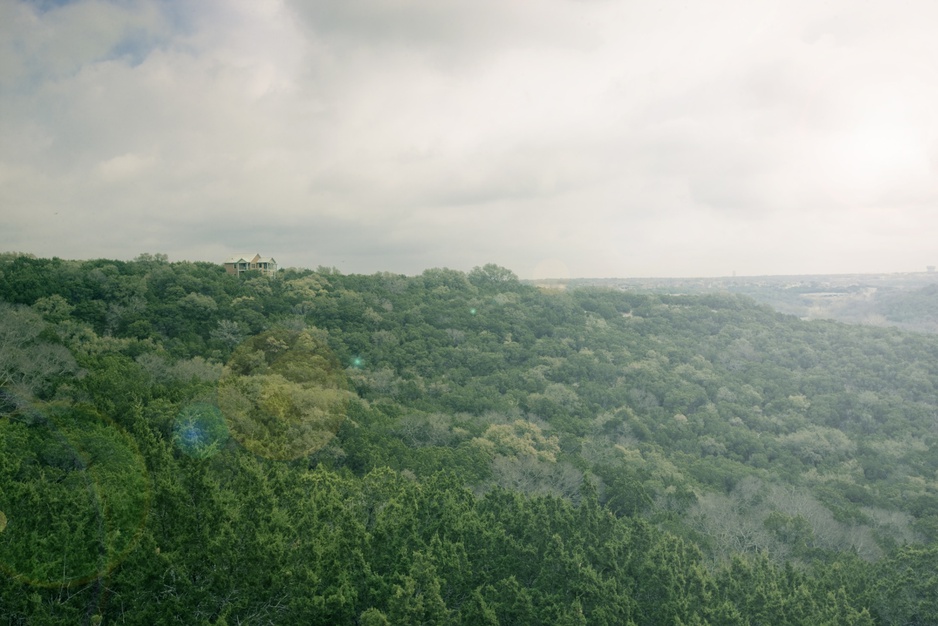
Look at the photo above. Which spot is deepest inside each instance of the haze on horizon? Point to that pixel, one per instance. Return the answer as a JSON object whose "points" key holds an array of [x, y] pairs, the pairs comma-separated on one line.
{"points": [[559, 138]]}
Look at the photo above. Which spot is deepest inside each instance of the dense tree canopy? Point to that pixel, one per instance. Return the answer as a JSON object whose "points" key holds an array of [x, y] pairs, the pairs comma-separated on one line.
{"points": [[182, 446]]}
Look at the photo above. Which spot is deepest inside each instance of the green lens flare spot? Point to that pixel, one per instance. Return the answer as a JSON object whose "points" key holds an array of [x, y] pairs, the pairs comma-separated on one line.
{"points": [[284, 395]]}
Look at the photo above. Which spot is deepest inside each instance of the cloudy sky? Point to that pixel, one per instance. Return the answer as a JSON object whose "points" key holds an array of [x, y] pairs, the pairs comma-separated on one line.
{"points": [[555, 137]]}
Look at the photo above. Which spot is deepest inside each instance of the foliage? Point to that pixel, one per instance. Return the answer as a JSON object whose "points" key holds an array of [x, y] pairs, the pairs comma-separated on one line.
{"points": [[180, 445]]}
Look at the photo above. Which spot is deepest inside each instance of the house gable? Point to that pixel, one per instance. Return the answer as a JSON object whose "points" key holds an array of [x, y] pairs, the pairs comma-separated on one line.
{"points": [[237, 264]]}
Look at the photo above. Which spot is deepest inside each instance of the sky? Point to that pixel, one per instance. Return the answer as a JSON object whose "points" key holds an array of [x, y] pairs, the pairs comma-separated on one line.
{"points": [[557, 138]]}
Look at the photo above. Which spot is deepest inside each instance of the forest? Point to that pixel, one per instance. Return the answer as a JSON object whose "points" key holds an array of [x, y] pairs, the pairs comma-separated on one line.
{"points": [[182, 446], [906, 300]]}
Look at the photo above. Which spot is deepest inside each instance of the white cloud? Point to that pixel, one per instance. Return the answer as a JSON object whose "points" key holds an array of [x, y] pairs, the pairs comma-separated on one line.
{"points": [[41, 46], [603, 138]]}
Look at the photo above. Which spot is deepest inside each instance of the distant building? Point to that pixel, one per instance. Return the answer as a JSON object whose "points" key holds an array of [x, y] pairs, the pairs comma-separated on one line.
{"points": [[246, 262], [930, 268]]}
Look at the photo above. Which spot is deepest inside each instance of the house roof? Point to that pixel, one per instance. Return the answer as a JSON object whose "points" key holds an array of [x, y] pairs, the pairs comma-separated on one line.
{"points": [[242, 258], [252, 259]]}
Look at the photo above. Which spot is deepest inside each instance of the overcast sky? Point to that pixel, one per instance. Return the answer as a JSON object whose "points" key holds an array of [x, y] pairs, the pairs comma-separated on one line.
{"points": [[557, 138]]}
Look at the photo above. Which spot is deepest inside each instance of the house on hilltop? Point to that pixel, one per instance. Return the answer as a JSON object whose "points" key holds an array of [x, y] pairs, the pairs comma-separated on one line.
{"points": [[246, 262]]}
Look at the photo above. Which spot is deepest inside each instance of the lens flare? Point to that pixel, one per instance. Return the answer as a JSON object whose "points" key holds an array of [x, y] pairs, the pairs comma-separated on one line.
{"points": [[200, 430], [551, 274], [285, 394]]}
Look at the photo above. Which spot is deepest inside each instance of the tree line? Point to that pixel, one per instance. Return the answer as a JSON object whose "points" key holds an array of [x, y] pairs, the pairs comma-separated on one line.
{"points": [[183, 445]]}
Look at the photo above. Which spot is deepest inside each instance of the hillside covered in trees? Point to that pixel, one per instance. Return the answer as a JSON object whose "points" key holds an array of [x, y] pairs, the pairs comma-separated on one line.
{"points": [[904, 300], [178, 445]]}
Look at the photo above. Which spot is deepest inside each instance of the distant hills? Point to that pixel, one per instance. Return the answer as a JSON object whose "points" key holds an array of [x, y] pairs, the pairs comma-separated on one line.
{"points": [[907, 300]]}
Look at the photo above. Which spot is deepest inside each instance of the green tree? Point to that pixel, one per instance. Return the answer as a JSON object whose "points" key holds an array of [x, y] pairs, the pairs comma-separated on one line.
{"points": [[28, 364], [417, 599]]}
